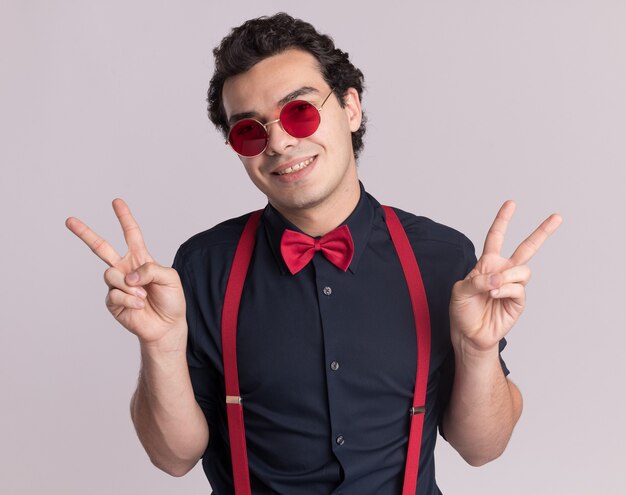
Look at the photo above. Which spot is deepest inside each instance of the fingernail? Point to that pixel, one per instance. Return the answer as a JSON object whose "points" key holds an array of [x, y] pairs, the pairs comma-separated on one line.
{"points": [[140, 292], [139, 303], [494, 292], [494, 280], [132, 277]]}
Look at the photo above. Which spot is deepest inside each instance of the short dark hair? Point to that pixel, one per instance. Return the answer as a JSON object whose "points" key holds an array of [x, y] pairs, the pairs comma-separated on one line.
{"points": [[263, 37]]}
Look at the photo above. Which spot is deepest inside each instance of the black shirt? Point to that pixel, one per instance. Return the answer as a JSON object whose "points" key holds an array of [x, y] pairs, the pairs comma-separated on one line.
{"points": [[326, 359]]}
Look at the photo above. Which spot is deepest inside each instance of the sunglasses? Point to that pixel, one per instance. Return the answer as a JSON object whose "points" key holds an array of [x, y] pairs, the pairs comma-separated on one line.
{"points": [[298, 118]]}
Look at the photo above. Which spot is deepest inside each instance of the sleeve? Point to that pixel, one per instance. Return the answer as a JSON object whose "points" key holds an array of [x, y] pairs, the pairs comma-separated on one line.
{"points": [[204, 378]]}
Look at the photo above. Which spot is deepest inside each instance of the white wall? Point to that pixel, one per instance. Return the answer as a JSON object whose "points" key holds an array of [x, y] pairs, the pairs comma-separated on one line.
{"points": [[469, 103]]}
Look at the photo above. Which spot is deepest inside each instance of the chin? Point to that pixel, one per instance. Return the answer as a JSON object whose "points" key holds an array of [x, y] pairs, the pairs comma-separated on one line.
{"points": [[297, 201]]}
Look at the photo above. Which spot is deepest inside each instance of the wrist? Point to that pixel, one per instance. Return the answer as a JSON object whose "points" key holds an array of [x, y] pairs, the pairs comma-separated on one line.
{"points": [[468, 352], [172, 343], [163, 361]]}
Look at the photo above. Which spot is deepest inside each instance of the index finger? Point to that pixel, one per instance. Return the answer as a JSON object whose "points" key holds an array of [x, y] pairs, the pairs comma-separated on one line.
{"points": [[497, 231], [529, 247], [97, 244], [132, 232]]}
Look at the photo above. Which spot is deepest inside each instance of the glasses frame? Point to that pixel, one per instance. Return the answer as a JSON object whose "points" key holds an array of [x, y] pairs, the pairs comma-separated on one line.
{"points": [[267, 124]]}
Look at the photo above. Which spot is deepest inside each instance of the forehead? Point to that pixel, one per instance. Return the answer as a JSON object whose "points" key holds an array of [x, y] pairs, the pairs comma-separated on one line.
{"points": [[262, 86]]}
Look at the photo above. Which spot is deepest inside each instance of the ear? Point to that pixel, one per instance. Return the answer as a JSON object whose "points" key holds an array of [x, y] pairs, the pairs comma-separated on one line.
{"points": [[352, 107]]}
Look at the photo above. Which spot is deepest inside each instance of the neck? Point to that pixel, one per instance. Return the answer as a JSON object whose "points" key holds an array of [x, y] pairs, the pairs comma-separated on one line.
{"points": [[320, 219]]}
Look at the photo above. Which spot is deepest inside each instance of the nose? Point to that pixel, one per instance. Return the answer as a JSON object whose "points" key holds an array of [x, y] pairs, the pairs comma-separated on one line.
{"points": [[278, 140]]}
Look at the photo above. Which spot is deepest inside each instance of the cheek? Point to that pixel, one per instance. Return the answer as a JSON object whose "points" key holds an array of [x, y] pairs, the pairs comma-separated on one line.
{"points": [[336, 133], [253, 169], [248, 167], [344, 127], [341, 136]]}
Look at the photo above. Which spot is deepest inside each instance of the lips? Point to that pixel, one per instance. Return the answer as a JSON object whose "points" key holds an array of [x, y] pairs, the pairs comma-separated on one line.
{"points": [[295, 167]]}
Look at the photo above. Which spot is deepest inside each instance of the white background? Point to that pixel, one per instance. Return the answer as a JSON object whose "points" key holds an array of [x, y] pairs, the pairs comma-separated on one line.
{"points": [[469, 104]]}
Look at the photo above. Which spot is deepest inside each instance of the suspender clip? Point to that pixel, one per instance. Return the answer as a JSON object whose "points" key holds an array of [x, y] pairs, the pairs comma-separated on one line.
{"points": [[417, 410], [233, 399]]}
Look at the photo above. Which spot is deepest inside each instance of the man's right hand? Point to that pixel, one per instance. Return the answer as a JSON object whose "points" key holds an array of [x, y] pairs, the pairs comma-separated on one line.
{"points": [[145, 297]]}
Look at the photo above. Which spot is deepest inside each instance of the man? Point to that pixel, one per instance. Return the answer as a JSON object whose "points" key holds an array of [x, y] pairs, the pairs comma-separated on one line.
{"points": [[326, 343]]}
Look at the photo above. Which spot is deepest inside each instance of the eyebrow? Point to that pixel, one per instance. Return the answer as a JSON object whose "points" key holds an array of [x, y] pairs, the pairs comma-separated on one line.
{"points": [[304, 90]]}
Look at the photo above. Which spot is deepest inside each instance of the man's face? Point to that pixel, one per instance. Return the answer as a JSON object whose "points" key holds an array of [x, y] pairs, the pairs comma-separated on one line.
{"points": [[297, 173]]}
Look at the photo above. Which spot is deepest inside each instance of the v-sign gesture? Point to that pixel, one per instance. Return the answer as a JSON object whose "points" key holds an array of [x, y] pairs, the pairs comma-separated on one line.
{"points": [[144, 297], [487, 303]]}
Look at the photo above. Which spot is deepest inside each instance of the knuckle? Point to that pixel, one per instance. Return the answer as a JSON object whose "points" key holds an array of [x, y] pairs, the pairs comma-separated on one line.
{"points": [[96, 243], [524, 273], [109, 299], [109, 275], [517, 290], [148, 266], [170, 272], [478, 281]]}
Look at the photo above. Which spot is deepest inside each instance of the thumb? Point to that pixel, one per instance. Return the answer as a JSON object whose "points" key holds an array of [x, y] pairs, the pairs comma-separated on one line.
{"points": [[478, 284], [152, 273]]}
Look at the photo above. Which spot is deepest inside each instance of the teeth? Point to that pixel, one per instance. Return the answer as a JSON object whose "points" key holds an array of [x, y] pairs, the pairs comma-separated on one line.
{"points": [[296, 167]]}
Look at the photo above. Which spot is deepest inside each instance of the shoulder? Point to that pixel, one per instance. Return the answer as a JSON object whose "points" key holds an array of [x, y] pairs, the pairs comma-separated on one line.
{"points": [[420, 229], [444, 255], [220, 240], [441, 251], [224, 233]]}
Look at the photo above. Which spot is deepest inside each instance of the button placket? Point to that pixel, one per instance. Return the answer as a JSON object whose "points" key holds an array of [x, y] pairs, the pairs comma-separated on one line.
{"points": [[329, 303]]}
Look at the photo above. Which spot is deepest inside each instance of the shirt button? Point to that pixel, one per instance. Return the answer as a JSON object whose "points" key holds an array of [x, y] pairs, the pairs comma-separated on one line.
{"points": [[340, 440], [327, 291], [334, 366]]}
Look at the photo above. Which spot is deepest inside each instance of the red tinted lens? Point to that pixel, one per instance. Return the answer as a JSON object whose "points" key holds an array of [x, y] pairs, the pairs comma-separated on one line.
{"points": [[248, 137], [300, 119]]}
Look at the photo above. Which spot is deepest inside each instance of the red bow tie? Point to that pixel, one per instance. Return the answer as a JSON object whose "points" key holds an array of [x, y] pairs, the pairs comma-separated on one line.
{"points": [[298, 249]]}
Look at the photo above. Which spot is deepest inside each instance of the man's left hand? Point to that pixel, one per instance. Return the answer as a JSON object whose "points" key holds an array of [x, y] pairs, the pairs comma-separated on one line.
{"points": [[487, 303]]}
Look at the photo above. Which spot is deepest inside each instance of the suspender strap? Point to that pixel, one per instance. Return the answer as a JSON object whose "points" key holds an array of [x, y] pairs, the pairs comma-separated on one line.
{"points": [[230, 313], [232, 298], [422, 327]]}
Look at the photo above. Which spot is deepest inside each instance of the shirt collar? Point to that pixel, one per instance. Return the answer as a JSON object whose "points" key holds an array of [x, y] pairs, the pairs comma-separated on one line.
{"points": [[359, 222]]}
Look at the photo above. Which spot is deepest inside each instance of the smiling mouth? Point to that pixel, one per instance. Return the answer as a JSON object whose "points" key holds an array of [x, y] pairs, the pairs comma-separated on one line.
{"points": [[296, 167]]}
